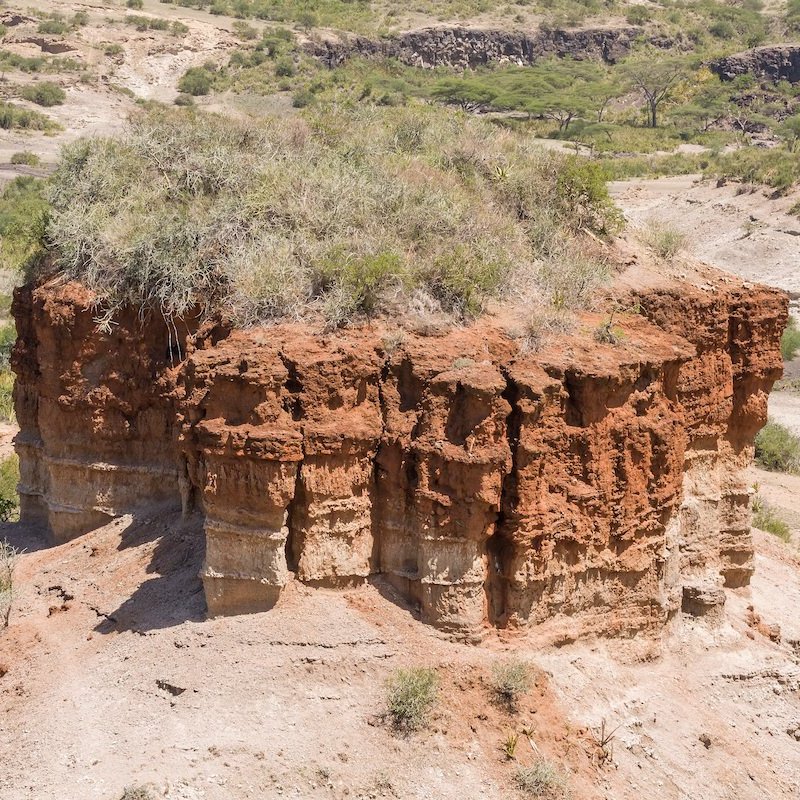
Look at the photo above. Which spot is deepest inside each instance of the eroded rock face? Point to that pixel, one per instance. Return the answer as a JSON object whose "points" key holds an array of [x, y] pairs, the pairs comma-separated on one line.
{"points": [[474, 47], [775, 62], [589, 483]]}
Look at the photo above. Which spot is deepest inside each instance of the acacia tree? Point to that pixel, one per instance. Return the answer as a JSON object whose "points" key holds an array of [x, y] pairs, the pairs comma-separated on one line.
{"points": [[655, 77]]}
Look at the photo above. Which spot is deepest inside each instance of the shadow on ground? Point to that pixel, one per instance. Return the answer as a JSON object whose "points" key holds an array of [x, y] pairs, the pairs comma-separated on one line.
{"points": [[175, 594]]}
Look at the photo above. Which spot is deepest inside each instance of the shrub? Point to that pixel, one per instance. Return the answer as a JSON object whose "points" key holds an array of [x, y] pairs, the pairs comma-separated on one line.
{"points": [[302, 98], [345, 213], [766, 518], [26, 157], [136, 4], [410, 695], [23, 219], [113, 49], [13, 117], [777, 448], [54, 27], [9, 478], [543, 780], [7, 395], [8, 560], [244, 31], [196, 81], [184, 100], [666, 242], [284, 68], [790, 341], [44, 94], [510, 680]]}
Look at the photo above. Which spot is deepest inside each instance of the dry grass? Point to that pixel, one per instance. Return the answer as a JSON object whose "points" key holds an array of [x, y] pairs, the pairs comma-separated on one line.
{"points": [[344, 213]]}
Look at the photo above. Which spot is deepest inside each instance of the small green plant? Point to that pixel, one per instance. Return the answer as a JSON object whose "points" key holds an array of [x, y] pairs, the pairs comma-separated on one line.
{"points": [[136, 4], [766, 518], [113, 49], [665, 241], [790, 341], [777, 448], [510, 746], [8, 560], [510, 680], [542, 780], [44, 94], [26, 157], [411, 694], [196, 81]]}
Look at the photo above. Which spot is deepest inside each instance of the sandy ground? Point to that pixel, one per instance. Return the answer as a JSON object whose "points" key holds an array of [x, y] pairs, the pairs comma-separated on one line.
{"points": [[746, 233], [113, 678]]}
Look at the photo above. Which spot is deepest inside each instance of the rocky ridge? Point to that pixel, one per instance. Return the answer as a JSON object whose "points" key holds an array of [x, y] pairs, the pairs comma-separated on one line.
{"points": [[593, 486], [464, 48], [774, 62]]}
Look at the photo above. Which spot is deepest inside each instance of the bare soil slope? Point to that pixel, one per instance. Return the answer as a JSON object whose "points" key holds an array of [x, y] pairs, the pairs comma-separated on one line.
{"points": [[111, 678]]}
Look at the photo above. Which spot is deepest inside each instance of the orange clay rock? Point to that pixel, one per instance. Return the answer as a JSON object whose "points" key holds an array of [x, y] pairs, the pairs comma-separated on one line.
{"points": [[588, 483]]}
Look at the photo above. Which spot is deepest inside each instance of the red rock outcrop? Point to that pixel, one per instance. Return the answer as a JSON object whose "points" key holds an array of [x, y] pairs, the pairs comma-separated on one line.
{"points": [[588, 483]]}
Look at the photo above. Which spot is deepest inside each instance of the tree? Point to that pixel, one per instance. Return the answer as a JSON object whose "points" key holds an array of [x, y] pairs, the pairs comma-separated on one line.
{"points": [[655, 76], [789, 131], [470, 94]]}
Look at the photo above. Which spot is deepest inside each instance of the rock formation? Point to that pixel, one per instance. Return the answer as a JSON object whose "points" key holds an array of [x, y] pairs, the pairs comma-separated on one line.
{"points": [[774, 62], [473, 47], [600, 485]]}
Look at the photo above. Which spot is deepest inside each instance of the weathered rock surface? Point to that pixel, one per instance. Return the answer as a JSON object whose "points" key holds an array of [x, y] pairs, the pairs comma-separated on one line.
{"points": [[473, 47], [588, 483], [775, 62]]}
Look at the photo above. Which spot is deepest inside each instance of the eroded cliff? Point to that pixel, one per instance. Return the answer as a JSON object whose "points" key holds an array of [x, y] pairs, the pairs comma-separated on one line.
{"points": [[597, 484]]}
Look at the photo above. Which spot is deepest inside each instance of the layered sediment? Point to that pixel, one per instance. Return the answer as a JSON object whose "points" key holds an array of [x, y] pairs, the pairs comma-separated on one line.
{"points": [[598, 484]]}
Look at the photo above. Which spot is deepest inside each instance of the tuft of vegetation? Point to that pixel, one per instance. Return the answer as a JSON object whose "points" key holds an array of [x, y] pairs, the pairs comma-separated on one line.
{"points": [[8, 560], [44, 94], [766, 518], [410, 695], [137, 792], [777, 448], [542, 780], [15, 117], [665, 241], [23, 220], [196, 81], [790, 340], [510, 680], [26, 157], [343, 213]]}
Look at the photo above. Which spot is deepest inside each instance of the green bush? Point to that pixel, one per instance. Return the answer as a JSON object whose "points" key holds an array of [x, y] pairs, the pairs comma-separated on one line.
{"points": [[510, 680], [54, 27], [136, 4], [13, 117], [9, 479], [790, 341], [196, 81], [44, 94], [411, 694], [23, 219], [777, 448], [26, 157]]}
